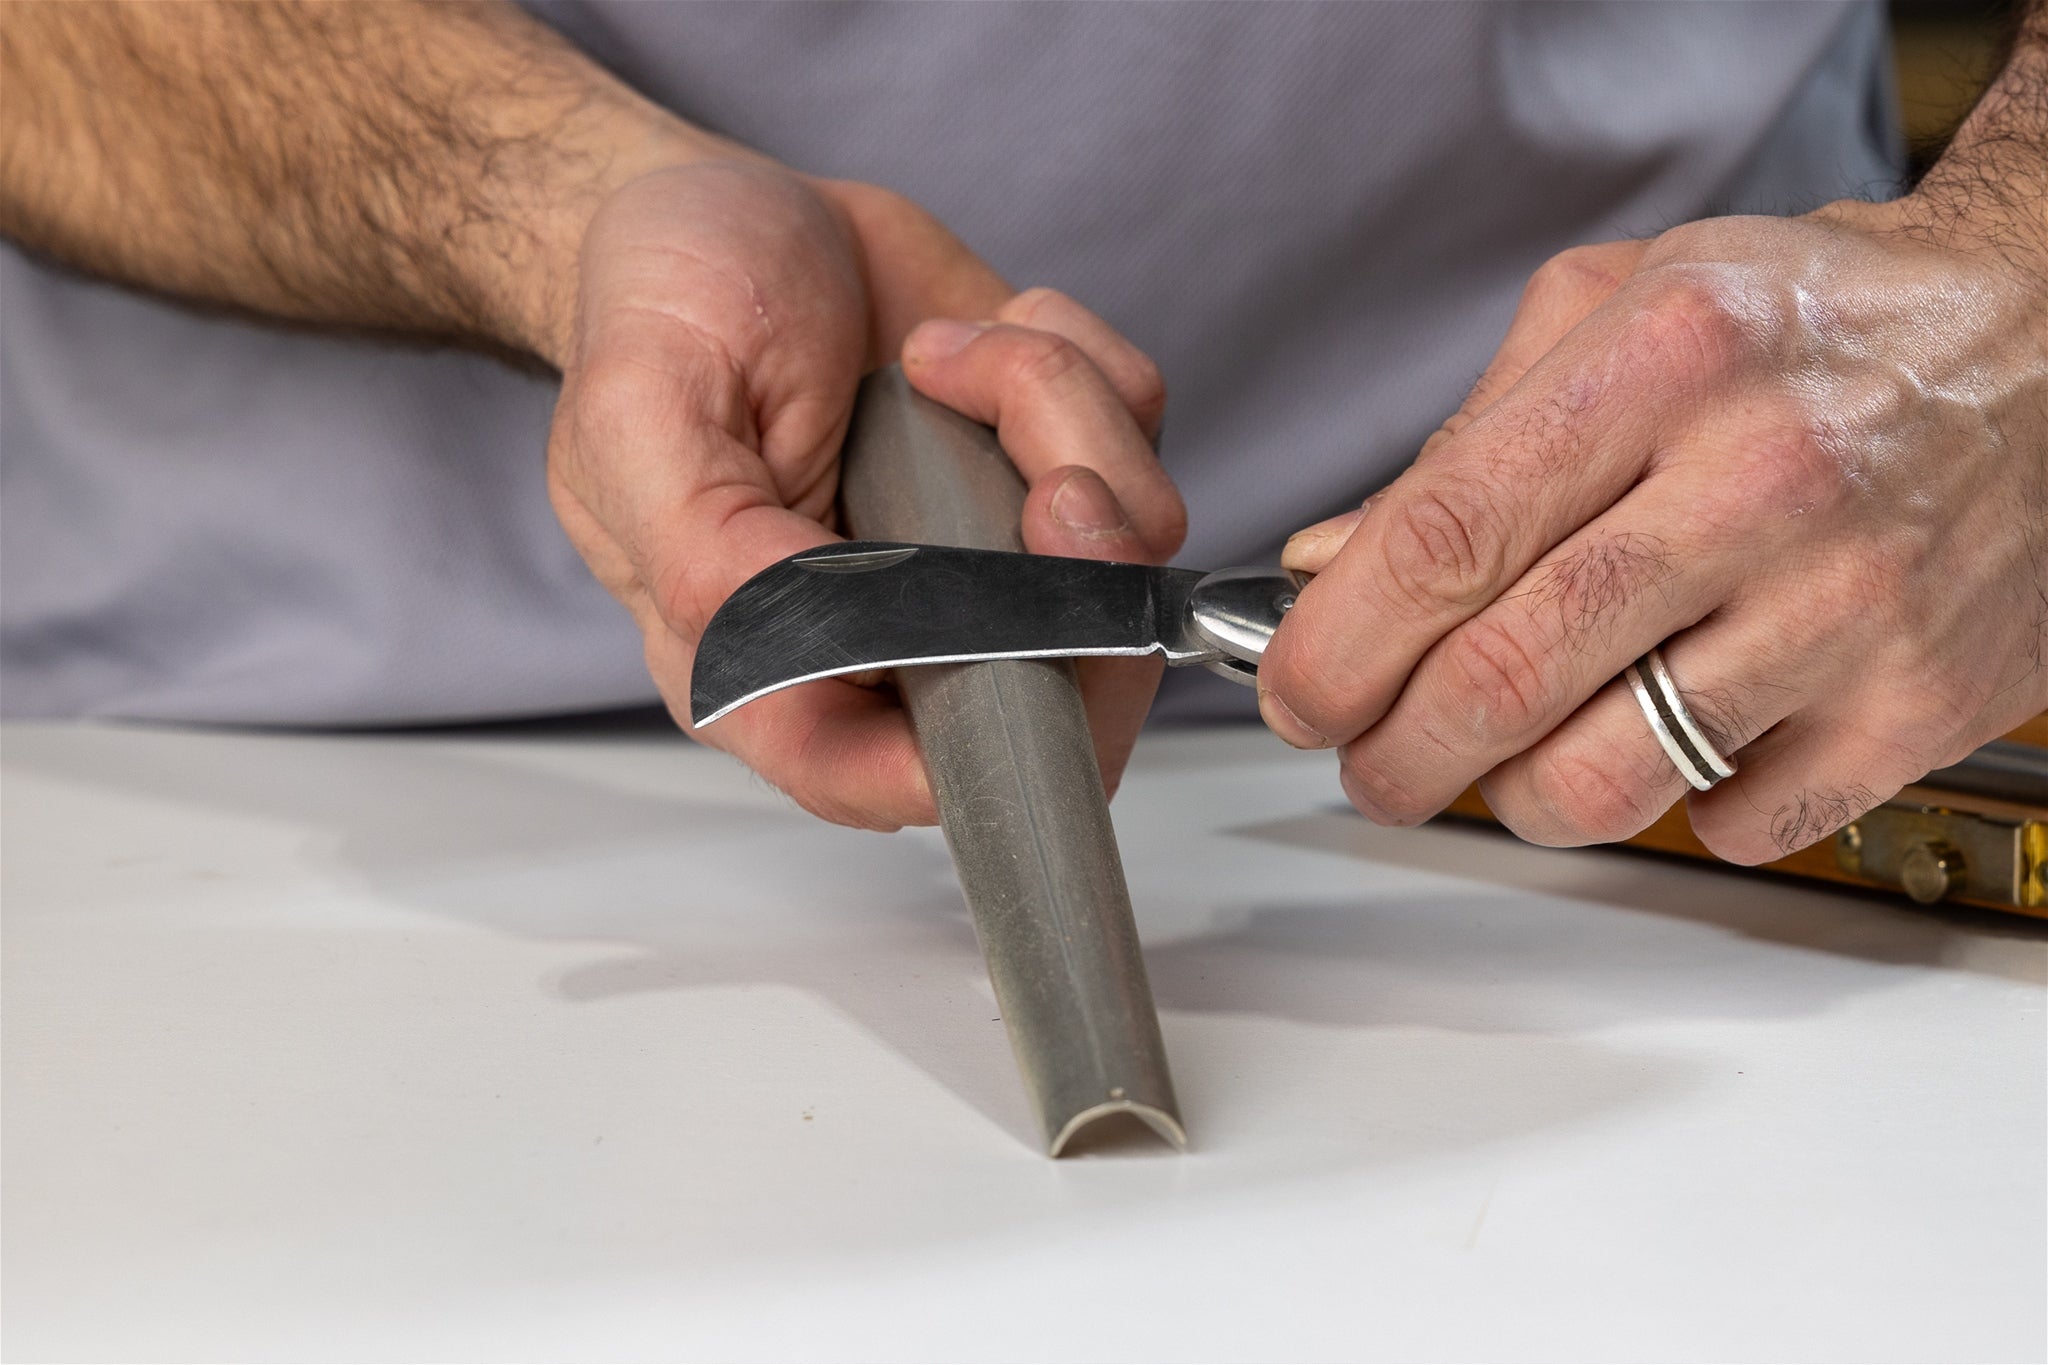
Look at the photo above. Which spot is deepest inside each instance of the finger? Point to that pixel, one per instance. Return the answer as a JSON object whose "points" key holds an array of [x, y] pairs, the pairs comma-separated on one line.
{"points": [[1072, 512], [1451, 534], [1603, 775], [1052, 408], [1130, 371], [1502, 680], [1806, 779], [845, 753], [1118, 694]]}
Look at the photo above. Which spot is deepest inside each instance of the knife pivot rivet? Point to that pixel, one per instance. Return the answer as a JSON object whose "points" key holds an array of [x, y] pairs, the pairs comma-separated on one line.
{"points": [[1237, 611]]}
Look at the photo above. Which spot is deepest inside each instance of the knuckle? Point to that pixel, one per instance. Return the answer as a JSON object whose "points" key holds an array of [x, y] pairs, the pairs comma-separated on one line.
{"points": [[1392, 798], [1025, 308], [1444, 548], [1164, 526], [1496, 679], [1583, 588], [1727, 237], [1135, 375], [1692, 320], [1145, 389], [677, 596], [1687, 242], [1791, 457], [1587, 797], [1862, 593], [1050, 363], [1581, 272], [1437, 439], [1931, 721]]}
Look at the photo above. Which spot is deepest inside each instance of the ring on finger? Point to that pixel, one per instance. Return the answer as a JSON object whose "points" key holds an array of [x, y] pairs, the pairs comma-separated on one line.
{"points": [[1687, 746]]}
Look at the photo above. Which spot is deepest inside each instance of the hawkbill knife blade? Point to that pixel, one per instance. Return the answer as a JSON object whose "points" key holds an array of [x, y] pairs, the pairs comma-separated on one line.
{"points": [[864, 605]]}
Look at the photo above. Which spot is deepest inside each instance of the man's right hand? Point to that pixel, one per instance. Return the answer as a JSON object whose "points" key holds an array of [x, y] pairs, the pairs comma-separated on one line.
{"points": [[724, 314]]}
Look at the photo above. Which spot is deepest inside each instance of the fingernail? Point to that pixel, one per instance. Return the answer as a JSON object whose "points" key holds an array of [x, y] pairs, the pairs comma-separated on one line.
{"points": [[939, 338], [1311, 540], [1084, 504], [1282, 721]]}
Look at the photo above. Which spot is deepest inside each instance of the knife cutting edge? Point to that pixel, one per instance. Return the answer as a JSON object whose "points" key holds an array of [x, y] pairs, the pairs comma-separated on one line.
{"points": [[863, 605]]}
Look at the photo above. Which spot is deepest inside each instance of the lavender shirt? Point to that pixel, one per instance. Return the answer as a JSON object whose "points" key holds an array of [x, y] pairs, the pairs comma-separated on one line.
{"points": [[1317, 218]]}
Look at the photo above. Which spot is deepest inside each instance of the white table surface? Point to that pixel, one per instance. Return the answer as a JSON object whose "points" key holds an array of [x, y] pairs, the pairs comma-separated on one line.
{"points": [[581, 1043]]}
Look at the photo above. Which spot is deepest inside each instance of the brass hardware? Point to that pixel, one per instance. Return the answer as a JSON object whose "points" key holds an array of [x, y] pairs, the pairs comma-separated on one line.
{"points": [[2034, 853], [1849, 850], [1928, 871], [1931, 852]]}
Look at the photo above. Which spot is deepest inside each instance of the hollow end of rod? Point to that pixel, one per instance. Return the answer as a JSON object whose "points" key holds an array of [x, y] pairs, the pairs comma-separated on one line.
{"points": [[1098, 1116]]}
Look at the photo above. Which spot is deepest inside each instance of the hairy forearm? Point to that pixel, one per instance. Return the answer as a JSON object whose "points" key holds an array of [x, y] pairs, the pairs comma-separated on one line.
{"points": [[422, 167], [1990, 187]]}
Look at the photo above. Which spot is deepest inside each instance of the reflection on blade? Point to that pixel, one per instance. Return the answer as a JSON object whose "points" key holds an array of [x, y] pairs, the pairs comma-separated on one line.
{"points": [[872, 604]]}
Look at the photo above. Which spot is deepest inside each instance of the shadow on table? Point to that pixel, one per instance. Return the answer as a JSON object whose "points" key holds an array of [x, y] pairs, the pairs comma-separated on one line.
{"points": [[1854, 925], [1456, 1011]]}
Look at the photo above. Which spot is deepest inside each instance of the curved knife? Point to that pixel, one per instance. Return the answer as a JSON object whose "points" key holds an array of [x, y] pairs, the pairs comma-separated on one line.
{"points": [[863, 605]]}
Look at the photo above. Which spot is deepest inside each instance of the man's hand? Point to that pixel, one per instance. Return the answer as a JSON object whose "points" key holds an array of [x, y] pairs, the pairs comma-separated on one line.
{"points": [[1808, 457], [458, 171], [727, 311]]}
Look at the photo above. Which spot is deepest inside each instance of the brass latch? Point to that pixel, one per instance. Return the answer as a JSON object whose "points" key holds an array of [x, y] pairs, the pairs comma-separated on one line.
{"points": [[1931, 852]]}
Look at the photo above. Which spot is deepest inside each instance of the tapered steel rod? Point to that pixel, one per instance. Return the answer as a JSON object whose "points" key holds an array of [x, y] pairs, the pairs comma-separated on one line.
{"points": [[1020, 797]]}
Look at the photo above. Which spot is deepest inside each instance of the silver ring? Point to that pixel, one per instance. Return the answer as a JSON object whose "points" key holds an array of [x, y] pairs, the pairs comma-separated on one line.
{"points": [[1688, 747]]}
